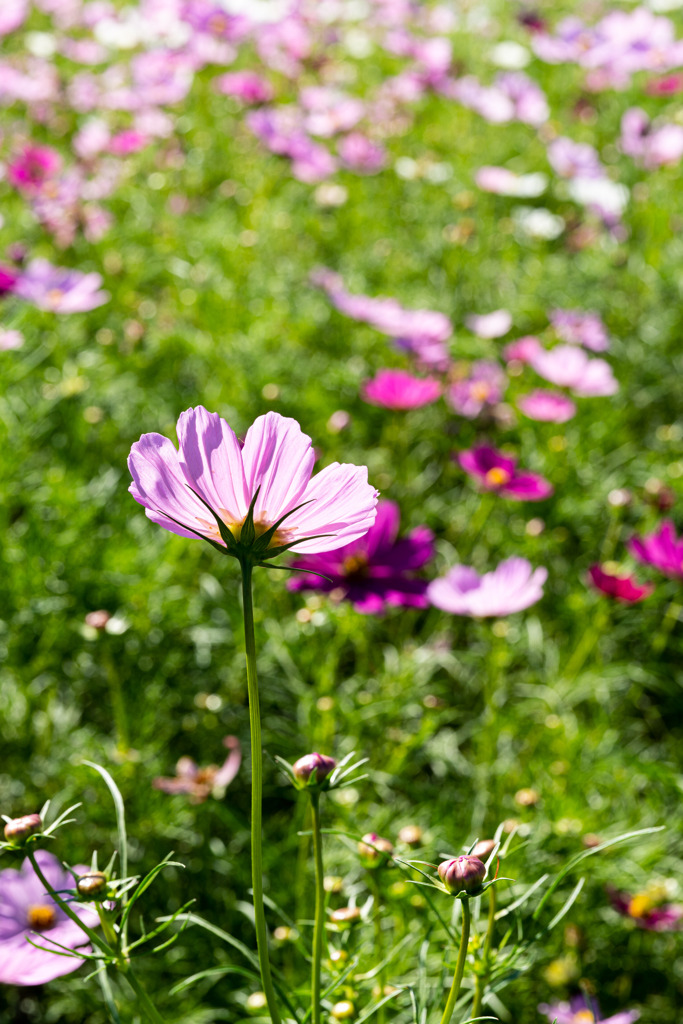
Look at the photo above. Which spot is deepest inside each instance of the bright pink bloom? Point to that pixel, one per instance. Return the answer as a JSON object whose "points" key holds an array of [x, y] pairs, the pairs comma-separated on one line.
{"points": [[374, 571], [8, 278], [497, 472], [580, 328], [359, 153], [490, 325], [27, 912], [583, 1010], [58, 289], [512, 587], [128, 141], [662, 550], [570, 367], [212, 469], [247, 86], [621, 588], [200, 783], [33, 167], [667, 86], [523, 350], [396, 389], [481, 389], [546, 406]]}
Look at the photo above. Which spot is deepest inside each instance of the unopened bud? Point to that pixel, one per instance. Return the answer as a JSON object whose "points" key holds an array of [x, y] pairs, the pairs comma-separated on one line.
{"points": [[374, 850], [411, 835], [19, 829], [93, 885], [343, 1010], [345, 916], [483, 848], [462, 874], [313, 769]]}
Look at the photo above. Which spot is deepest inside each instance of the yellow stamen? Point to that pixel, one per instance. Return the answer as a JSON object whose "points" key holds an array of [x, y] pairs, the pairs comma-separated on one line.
{"points": [[640, 905], [355, 565], [55, 296], [41, 917], [481, 391], [261, 525], [584, 1017], [497, 477]]}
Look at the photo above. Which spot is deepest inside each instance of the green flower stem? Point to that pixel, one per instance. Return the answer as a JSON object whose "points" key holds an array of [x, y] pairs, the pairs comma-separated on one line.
{"points": [[460, 966], [107, 927], [481, 979], [118, 705], [319, 927], [63, 905], [256, 793], [668, 623], [146, 1005], [379, 939]]}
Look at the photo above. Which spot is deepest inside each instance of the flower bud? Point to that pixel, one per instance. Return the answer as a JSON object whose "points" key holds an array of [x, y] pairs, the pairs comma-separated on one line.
{"points": [[376, 854], [19, 829], [411, 835], [313, 769], [343, 1010], [92, 885], [483, 848], [462, 874], [345, 916]]}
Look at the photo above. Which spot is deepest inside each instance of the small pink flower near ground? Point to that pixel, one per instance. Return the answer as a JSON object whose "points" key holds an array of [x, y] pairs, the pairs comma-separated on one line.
{"points": [[59, 289], [396, 389], [213, 477], [523, 350], [200, 783], [247, 86], [127, 142], [578, 327], [490, 325], [546, 406], [359, 153], [482, 388], [497, 472], [513, 586], [621, 588], [570, 367], [662, 550], [33, 167], [10, 340]]}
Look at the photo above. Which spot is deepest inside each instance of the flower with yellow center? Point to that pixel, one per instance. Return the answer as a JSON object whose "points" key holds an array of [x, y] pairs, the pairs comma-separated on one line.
{"points": [[41, 916], [497, 477], [640, 905]]}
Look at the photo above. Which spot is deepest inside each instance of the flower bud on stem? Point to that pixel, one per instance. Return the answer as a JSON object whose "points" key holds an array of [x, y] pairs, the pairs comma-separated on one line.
{"points": [[319, 926], [481, 979], [460, 966]]}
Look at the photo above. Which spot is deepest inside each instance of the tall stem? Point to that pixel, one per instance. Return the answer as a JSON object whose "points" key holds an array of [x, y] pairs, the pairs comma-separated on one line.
{"points": [[319, 927], [256, 794], [93, 936], [146, 1005], [481, 979], [460, 966], [668, 622], [379, 940]]}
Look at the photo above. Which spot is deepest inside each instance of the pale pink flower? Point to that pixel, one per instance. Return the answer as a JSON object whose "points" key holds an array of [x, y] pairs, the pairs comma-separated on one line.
{"points": [[12, 15], [503, 182], [247, 86], [212, 477], [651, 146], [512, 587], [570, 367], [360, 153], [546, 406], [59, 289], [522, 350], [490, 325], [10, 340]]}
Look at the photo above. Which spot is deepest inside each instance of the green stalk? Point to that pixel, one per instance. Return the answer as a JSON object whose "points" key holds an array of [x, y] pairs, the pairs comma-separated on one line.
{"points": [[63, 905], [460, 966], [118, 705], [481, 979], [319, 927], [146, 1005], [256, 794], [668, 622], [379, 940]]}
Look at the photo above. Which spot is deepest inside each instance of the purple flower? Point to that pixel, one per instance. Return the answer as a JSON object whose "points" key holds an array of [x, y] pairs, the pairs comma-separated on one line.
{"points": [[376, 570], [648, 909], [199, 783], [482, 388], [663, 550], [58, 289], [570, 367], [546, 406], [621, 588], [212, 469], [580, 328], [359, 153], [574, 159], [27, 912], [652, 147], [582, 1010], [497, 472], [530, 104], [513, 586], [490, 325], [396, 389]]}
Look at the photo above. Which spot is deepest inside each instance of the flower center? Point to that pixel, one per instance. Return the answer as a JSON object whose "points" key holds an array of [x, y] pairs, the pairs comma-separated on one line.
{"points": [[217, 23], [497, 477], [261, 525], [55, 296], [355, 565], [40, 917], [480, 390], [640, 905], [584, 1017]]}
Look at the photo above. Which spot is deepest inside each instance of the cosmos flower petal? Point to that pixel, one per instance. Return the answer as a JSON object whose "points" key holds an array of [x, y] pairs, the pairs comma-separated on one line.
{"points": [[211, 458], [279, 458], [340, 503]]}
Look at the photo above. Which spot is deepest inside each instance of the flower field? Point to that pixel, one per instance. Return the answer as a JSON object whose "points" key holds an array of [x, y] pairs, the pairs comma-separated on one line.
{"points": [[342, 547]]}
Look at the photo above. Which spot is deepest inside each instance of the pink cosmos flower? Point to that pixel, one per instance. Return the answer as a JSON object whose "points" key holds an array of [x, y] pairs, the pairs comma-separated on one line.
{"points": [[247, 86], [523, 350], [58, 289], [580, 328], [621, 588], [530, 103], [213, 478], [570, 367], [129, 141], [10, 340], [377, 570], [396, 389], [574, 159], [546, 406], [200, 783], [481, 389], [359, 153], [582, 1010], [27, 912], [12, 16], [329, 111], [667, 86], [512, 587], [8, 278], [490, 325], [647, 909], [33, 167], [663, 550], [497, 472], [651, 146]]}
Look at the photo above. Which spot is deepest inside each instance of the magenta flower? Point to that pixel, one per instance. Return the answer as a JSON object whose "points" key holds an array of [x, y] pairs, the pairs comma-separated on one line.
{"points": [[27, 912], [497, 472], [200, 783], [546, 406], [580, 328], [33, 167], [621, 588], [207, 487], [490, 325], [396, 389], [129, 141], [512, 587], [523, 350], [582, 1010], [247, 86], [58, 289], [570, 367], [648, 909], [663, 550], [375, 571], [482, 388]]}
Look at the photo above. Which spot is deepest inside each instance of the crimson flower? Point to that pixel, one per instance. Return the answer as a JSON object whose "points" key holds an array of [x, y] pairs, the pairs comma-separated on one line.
{"points": [[663, 550], [621, 588]]}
